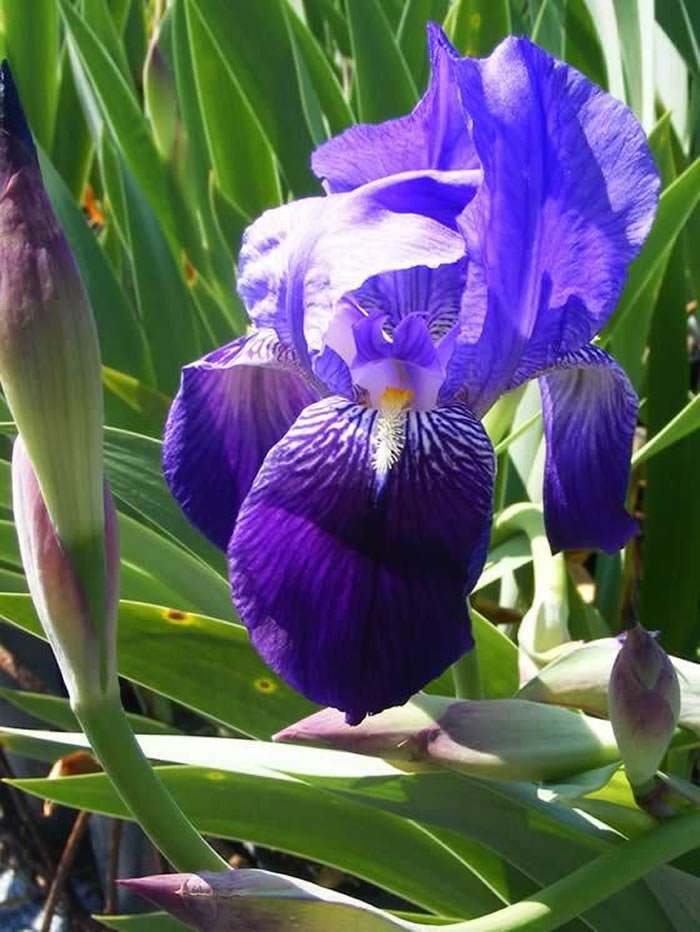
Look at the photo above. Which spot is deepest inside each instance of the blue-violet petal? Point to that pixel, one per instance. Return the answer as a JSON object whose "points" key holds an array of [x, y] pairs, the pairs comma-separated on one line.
{"points": [[352, 581]]}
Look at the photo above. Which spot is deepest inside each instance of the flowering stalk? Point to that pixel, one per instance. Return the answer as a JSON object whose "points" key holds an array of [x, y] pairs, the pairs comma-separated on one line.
{"points": [[64, 514], [544, 628]]}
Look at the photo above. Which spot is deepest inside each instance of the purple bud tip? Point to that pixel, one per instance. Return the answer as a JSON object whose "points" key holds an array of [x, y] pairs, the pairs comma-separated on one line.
{"points": [[16, 143], [186, 896], [325, 727]]}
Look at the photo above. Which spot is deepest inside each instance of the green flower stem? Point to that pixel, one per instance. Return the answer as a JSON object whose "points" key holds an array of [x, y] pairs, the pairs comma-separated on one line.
{"points": [[467, 676], [594, 882], [110, 735]]}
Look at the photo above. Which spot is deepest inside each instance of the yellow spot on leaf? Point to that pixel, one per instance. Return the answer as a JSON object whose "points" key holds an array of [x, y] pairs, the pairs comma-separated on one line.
{"points": [[265, 686], [181, 618]]}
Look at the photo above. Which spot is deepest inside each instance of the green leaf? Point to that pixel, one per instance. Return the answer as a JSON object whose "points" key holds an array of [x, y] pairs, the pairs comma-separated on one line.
{"points": [[412, 35], [31, 46], [153, 569], [166, 310], [241, 156], [123, 115], [287, 814], [98, 15], [268, 807], [635, 24], [122, 342], [675, 206], [148, 406], [204, 663], [193, 167], [686, 422], [133, 467], [156, 570], [581, 43], [671, 515], [143, 922], [71, 149], [320, 74], [57, 713], [384, 84], [680, 20], [632, 333], [475, 27], [603, 15], [498, 658], [252, 40]]}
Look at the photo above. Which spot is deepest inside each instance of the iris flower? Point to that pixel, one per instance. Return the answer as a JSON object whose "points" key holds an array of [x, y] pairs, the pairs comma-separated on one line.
{"points": [[336, 451]]}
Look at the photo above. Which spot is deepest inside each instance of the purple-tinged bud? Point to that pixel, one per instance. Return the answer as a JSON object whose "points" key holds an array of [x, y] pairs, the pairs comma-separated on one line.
{"points": [[84, 645], [49, 354], [260, 901], [502, 739], [644, 701], [160, 98]]}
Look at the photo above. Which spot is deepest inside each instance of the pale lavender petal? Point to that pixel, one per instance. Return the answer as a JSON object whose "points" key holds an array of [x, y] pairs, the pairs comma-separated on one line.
{"points": [[232, 406], [352, 579], [407, 359], [590, 412], [568, 197], [297, 261], [434, 135]]}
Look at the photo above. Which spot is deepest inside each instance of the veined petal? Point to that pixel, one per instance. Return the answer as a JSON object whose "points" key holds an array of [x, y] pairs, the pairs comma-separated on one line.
{"points": [[435, 294], [568, 197], [434, 135], [232, 406], [298, 260], [590, 412], [352, 580]]}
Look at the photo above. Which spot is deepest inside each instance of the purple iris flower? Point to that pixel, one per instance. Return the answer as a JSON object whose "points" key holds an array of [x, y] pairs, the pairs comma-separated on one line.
{"points": [[336, 451]]}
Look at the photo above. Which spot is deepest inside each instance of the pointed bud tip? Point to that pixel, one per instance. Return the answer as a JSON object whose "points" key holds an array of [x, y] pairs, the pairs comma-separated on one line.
{"points": [[189, 897], [12, 119], [162, 889]]}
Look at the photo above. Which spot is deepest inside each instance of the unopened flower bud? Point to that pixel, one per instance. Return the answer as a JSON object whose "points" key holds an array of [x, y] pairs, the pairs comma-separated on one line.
{"points": [[161, 99], [502, 739], [49, 354], [257, 899], [643, 705], [80, 624]]}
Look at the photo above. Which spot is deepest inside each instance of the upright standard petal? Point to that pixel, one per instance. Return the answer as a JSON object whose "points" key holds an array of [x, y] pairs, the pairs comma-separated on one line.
{"points": [[352, 580], [232, 407], [298, 260], [590, 412], [434, 135], [568, 197]]}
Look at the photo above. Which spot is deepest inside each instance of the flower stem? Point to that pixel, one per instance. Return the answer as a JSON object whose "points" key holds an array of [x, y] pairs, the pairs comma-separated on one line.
{"points": [[594, 882], [467, 676], [110, 735]]}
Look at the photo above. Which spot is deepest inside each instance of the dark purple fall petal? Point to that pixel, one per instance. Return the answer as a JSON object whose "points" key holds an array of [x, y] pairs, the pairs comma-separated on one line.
{"points": [[353, 581], [434, 135], [232, 406], [298, 260], [590, 412], [568, 197]]}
